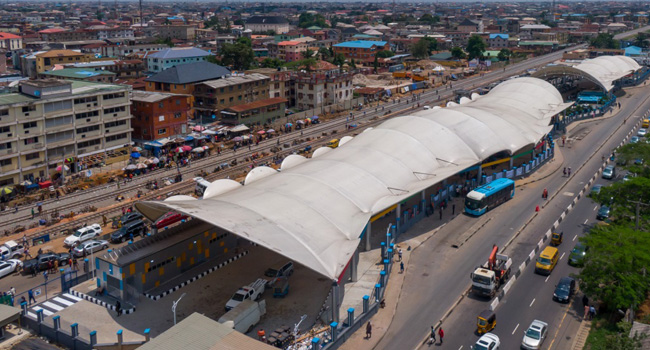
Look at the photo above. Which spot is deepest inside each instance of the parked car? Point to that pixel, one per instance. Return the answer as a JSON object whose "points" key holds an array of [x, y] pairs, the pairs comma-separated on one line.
{"points": [[603, 212], [487, 341], [628, 177], [11, 249], [609, 172], [285, 270], [534, 336], [252, 291], [130, 217], [577, 256], [83, 234], [564, 289], [638, 161], [169, 218], [642, 132], [634, 139], [41, 262], [86, 248], [125, 232], [9, 266], [596, 189]]}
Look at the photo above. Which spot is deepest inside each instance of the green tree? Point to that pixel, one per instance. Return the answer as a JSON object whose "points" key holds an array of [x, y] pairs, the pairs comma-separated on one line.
{"points": [[457, 53], [165, 41], [238, 22], [272, 63], [375, 63], [309, 53], [475, 47], [420, 49], [615, 266], [239, 55], [641, 40], [385, 54], [353, 64], [339, 60], [307, 20], [324, 54], [211, 22], [305, 64], [244, 41], [430, 19], [504, 55], [605, 41], [100, 15]]}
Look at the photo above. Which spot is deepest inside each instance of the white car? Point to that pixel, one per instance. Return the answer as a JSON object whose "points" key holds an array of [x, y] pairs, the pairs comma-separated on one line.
{"points": [[427, 107], [488, 341], [534, 336], [9, 266], [86, 248], [83, 234], [642, 132]]}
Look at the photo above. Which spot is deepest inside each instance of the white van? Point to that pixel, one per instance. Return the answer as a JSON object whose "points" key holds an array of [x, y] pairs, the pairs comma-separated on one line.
{"points": [[201, 185], [244, 316]]}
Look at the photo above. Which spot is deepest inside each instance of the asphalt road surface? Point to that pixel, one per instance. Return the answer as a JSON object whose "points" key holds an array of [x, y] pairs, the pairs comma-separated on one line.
{"points": [[438, 275]]}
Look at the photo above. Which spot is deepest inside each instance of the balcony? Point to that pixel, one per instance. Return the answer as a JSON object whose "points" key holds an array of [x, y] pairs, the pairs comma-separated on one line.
{"points": [[9, 169], [86, 106], [117, 129], [88, 135], [5, 152]]}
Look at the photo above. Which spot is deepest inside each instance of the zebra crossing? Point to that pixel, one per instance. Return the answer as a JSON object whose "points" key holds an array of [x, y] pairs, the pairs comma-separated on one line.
{"points": [[53, 305]]}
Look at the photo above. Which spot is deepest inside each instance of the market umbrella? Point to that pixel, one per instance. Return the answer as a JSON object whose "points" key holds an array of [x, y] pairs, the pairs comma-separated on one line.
{"points": [[198, 128], [136, 149], [237, 139], [155, 160], [186, 148], [7, 190], [65, 167], [198, 150], [270, 131], [261, 132], [147, 161], [288, 124], [205, 147], [26, 183], [131, 167], [141, 166], [314, 117], [300, 122], [135, 155]]}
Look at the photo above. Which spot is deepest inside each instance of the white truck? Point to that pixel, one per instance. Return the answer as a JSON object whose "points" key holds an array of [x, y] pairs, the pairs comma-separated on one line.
{"points": [[486, 280], [244, 316], [11, 250], [252, 291]]}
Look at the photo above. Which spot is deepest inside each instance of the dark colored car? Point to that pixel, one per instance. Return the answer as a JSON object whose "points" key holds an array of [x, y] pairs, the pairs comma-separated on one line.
{"points": [[596, 189], [130, 217], [42, 261], [603, 212], [168, 219], [564, 290], [125, 232], [577, 256]]}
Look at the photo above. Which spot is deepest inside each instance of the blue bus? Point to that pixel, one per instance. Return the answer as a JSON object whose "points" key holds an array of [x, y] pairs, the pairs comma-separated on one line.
{"points": [[489, 196]]}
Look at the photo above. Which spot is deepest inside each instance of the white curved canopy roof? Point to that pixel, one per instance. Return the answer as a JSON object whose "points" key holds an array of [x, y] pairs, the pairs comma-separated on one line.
{"points": [[314, 212], [602, 70]]}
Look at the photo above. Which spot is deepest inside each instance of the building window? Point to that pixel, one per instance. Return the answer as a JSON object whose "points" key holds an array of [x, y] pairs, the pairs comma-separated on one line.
{"points": [[28, 109], [113, 96], [4, 146], [5, 162], [114, 110], [29, 125], [86, 115], [89, 143], [32, 156], [178, 101], [162, 131], [87, 129], [31, 140], [115, 123], [116, 137]]}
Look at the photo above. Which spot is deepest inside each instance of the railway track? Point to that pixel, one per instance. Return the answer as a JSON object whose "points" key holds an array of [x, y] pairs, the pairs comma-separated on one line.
{"points": [[372, 117]]}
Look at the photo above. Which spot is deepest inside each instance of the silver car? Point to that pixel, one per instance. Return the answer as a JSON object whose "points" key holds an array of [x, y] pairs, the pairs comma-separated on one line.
{"points": [[534, 336], [89, 247]]}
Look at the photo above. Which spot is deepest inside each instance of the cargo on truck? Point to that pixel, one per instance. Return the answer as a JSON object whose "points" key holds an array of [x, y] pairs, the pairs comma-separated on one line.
{"points": [[486, 280]]}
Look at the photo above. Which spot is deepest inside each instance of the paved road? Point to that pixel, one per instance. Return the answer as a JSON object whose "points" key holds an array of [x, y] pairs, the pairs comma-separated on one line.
{"points": [[439, 274], [530, 297]]}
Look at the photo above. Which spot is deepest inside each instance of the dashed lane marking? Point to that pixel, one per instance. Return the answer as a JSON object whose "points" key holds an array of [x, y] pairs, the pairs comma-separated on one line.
{"points": [[514, 330], [531, 303]]}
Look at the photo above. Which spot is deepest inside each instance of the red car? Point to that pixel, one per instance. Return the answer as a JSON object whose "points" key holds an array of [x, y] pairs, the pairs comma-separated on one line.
{"points": [[168, 219]]}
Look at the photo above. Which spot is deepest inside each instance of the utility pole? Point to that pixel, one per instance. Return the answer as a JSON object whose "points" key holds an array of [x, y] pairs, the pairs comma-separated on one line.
{"points": [[638, 213]]}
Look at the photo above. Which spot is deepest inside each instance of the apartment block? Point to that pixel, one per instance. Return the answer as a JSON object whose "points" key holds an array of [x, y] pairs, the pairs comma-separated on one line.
{"points": [[212, 96], [51, 122], [157, 115], [315, 90]]}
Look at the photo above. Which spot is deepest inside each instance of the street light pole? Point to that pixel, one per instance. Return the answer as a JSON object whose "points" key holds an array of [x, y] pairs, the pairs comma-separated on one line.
{"points": [[174, 307]]}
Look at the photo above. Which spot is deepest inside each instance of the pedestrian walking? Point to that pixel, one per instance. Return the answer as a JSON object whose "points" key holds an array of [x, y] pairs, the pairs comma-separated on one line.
{"points": [[45, 276], [592, 312], [568, 171], [123, 210], [441, 334], [25, 241], [453, 208], [32, 213], [118, 308], [30, 294], [104, 220], [440, 212], [432, 336], [401, 267], [399, 254], [564, 172], [585, 300], [586, 312], [368, 330]]}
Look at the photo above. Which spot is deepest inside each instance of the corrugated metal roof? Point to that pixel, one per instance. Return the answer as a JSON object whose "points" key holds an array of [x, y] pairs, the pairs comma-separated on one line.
{"points": [[8, 314], [190, 73], [363, 44], [179, 52], [236, 80]]}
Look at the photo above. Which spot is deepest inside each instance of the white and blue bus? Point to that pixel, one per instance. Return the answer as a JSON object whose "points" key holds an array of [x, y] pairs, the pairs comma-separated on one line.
{"points": [[488, 196]]}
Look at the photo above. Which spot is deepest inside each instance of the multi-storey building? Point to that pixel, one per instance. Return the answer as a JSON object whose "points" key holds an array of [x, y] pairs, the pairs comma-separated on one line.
{"points": [[360, 50], [180, 32], [318, 89], [157, 115], [263, 24], [290, 51], [255, 113], [47, 60], [122, 51], [175, 56], [10, 41], [280, 84], [54, 122], [212, 96]]}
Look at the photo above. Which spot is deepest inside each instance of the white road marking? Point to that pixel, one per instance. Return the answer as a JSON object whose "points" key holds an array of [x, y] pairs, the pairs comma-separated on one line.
{"points": [[52, 306], [574, 237], [562, 256], [533, 302], [546, 280], [70, 296], [568, 194], [460, 347], [514, 330], [586, 220], [63, 301], [596, 207]]}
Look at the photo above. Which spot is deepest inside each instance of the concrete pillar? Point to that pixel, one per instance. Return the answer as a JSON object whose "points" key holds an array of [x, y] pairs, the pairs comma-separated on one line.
{"points": [[39, 315], [383, 250], [62, 279], [86, 265], [389, 254], [147, 335], [386, 263], [23, 306], [368, 233], [382, 277], [511, 162], [120, 338], [334, 330], [56, 322], [354, 265], [315, 343], [74, 330], [377, 290], [336, 290], [480, 171], [93, 338], [399, 210], [366, 303], [350, 316]]}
